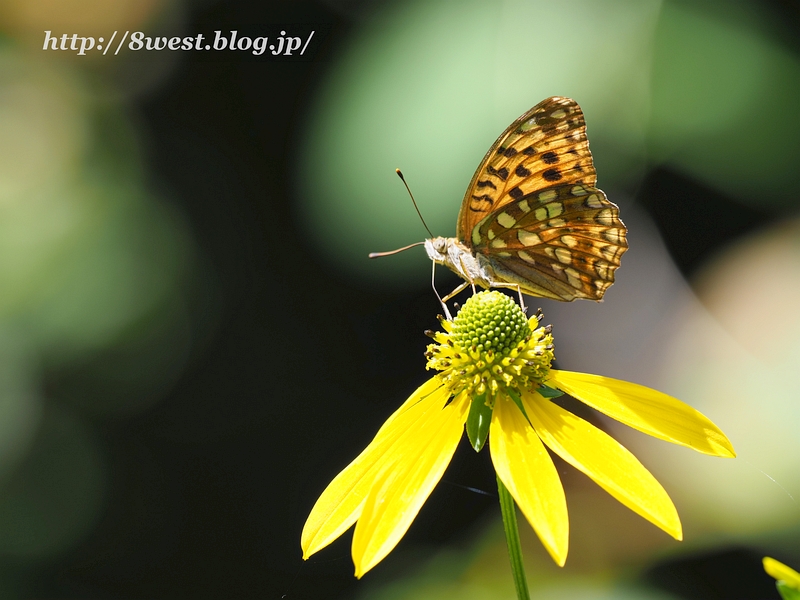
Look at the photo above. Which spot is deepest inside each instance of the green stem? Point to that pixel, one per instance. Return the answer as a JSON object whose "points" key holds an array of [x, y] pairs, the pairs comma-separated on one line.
{"points": [[508, 509]]}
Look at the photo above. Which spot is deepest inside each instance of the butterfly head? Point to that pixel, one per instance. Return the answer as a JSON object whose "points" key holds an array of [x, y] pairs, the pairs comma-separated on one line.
{"points": [[437, 249]]}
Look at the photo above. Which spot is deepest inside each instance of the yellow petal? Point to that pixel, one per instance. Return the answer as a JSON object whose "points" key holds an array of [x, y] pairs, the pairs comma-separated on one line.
{"points": [[603, 459], [645, 409], [342, 501], [781, 572], [405, 482], [526, 469]]}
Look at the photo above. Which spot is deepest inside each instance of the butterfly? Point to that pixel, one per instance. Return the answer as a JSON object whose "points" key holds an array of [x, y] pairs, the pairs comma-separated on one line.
{"points": [[532, 218]]}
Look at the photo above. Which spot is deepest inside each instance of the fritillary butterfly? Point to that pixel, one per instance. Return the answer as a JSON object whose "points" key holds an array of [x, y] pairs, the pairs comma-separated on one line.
{"points": [[532, 219]]}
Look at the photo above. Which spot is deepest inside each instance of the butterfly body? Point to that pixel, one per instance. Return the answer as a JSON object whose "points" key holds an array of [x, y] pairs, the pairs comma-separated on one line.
{"points": [[532, 217], [460, 259]]}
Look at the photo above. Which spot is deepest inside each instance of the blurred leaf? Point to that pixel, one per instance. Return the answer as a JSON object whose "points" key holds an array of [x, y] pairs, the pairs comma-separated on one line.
{"points": [[787, 593], [722, 92]]}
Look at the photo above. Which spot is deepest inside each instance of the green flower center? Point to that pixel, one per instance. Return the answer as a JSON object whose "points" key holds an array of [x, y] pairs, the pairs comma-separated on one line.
{"points": [[491, 347], [490, 321]]}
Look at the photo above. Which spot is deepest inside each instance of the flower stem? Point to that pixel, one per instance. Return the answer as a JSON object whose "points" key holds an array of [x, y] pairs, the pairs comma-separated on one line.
{"points": [[508, 510]]}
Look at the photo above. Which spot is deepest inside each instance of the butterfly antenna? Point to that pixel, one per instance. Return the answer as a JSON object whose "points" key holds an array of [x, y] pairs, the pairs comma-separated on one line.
{"points": [[403, 179], [390, 252]]}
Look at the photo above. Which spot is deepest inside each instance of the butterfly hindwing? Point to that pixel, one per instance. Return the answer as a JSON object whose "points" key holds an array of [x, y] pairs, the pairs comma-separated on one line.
{"points": [[544, 147], [562, 242]]}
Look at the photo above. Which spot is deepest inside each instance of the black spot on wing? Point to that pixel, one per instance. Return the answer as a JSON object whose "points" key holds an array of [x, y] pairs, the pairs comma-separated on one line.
{"points": [[552, 175], [475, 205], [550, 157], [549, 128], [521, 171], [515, 193], [502, 172], [509, 152]]}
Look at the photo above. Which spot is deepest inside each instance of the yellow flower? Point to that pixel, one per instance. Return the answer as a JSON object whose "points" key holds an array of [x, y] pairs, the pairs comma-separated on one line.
{"points": [[785, 577], [494, 376]]}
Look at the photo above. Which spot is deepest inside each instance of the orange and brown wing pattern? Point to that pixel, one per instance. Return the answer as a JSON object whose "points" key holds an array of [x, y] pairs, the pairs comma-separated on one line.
{"points": [[563, 242], [546, 146]]}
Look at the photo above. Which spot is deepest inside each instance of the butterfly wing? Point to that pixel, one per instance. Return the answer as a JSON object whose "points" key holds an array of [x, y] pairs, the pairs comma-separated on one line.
{"points": [[563, 242], [533, 213], [545, 146]]}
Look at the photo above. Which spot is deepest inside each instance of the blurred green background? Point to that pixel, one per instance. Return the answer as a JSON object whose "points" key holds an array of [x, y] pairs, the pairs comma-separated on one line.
{"points": [[193, 343]]}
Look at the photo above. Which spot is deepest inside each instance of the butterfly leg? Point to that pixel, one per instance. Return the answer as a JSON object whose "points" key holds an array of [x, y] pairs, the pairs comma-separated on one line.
{"points": [[435, 291], [521, 301], [452, 294], [443, 301], [464, 269], [455, 291]]}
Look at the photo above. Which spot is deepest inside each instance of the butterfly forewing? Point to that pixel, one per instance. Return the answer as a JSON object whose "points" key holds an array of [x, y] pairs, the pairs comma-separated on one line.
{"points": [[544, 147], [534, 214]]}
